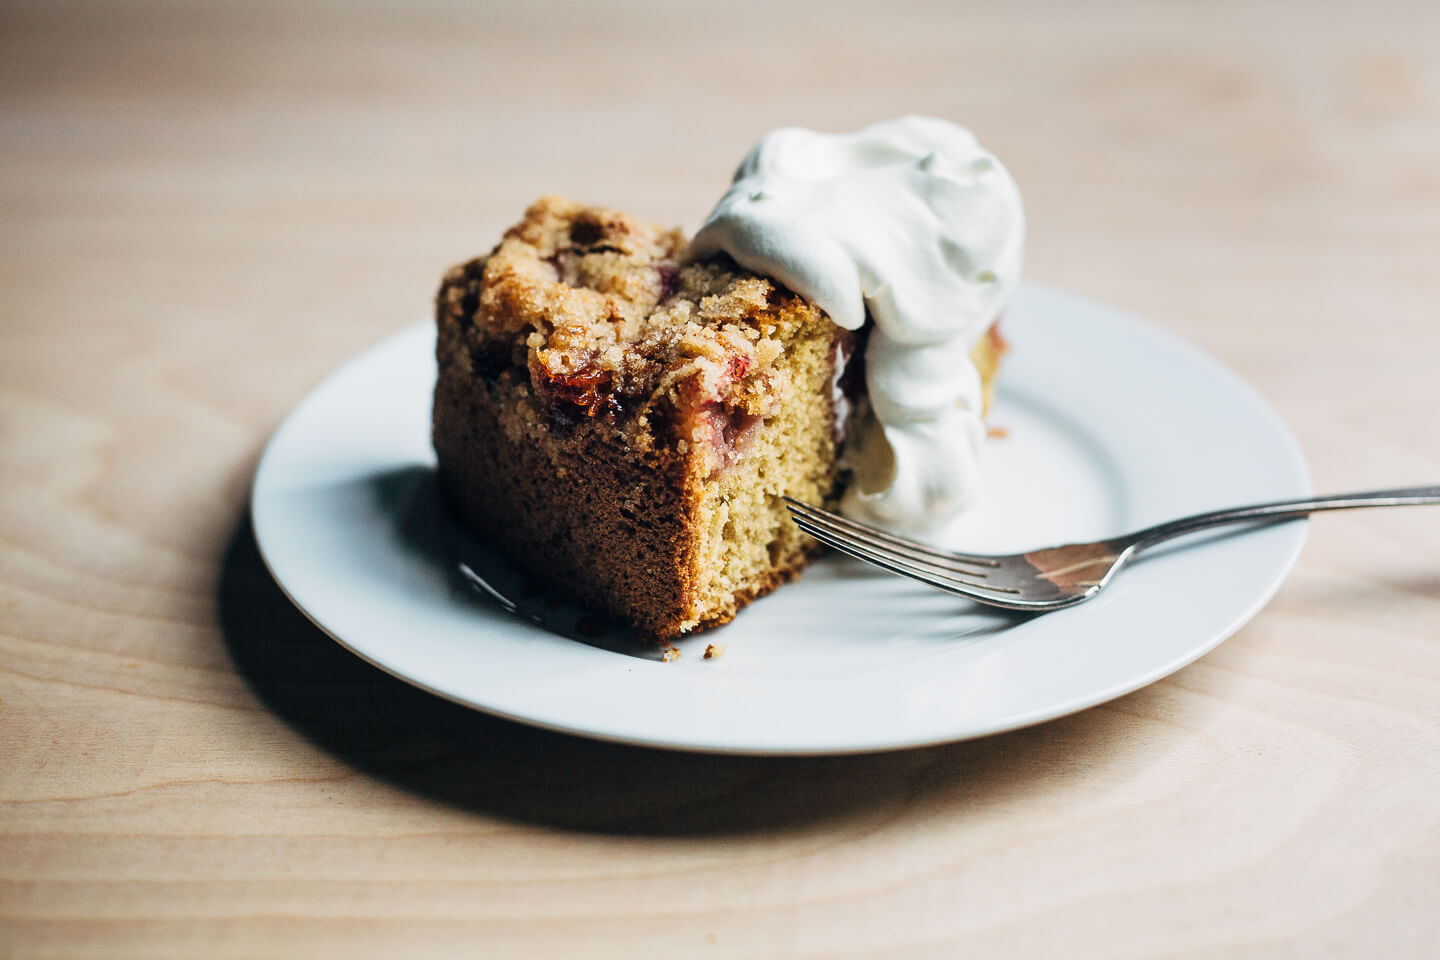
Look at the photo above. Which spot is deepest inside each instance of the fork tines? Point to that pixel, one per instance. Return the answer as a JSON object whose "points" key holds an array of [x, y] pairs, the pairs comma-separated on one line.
{"points": [[956, 573]]}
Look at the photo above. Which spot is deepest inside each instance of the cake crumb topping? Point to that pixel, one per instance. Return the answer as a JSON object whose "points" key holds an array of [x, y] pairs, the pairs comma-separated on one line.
{"points": [[607, 318]]}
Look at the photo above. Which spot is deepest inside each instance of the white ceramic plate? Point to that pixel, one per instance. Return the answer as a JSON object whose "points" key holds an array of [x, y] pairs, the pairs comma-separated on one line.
{"points": [[1111, 425]]}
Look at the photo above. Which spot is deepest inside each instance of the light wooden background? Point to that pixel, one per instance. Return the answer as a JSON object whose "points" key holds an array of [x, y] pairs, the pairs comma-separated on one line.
{"points": [[205, 207]]}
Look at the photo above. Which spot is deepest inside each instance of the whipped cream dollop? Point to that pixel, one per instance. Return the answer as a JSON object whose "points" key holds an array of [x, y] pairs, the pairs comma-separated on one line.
{"points": [[912, 222]]}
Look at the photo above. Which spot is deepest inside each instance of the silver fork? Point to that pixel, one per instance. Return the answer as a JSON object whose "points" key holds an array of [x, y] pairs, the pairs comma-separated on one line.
{"points": [[1055, 577]]}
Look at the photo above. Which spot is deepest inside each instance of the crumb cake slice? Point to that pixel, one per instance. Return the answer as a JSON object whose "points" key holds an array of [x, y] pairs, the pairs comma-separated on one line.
{"points": [[623, 424]]}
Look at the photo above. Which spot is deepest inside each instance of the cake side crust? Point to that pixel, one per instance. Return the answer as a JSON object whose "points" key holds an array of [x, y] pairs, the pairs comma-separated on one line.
{"points": [[619, 544]]}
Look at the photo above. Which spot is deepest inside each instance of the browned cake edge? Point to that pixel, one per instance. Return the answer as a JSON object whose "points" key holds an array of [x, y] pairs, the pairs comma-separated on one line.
{"points": [[507, 486]]}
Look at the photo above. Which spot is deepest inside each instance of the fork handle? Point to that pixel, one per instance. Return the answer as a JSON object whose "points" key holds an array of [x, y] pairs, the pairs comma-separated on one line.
{"points": [[1284, 510]]}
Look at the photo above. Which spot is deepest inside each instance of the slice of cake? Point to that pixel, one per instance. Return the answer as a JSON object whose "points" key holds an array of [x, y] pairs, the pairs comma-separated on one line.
{"points": [[623, 424], [621, 413]]}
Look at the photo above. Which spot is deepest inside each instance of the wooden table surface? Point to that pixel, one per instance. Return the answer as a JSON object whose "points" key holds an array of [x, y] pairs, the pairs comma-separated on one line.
{"points": [[205, 208]]}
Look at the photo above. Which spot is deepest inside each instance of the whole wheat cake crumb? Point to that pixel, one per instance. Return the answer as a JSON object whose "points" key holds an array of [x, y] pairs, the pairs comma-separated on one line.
{"points": [[714, 651], [671, 654], [623, 423]]}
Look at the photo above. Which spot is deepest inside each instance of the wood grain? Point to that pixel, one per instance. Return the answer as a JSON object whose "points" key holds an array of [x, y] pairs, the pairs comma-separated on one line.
{"points": [[204, 208]]}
